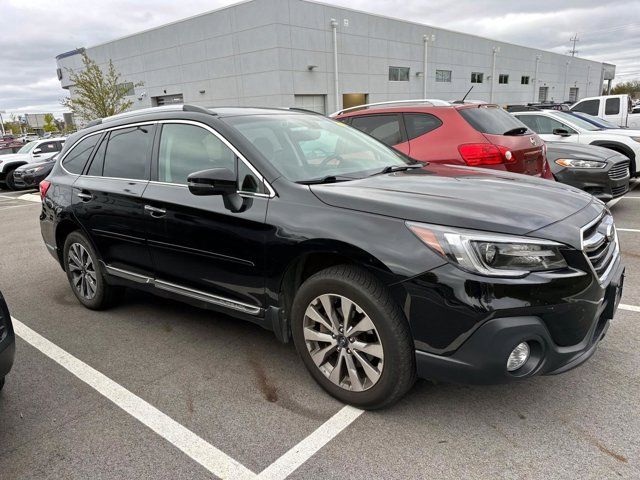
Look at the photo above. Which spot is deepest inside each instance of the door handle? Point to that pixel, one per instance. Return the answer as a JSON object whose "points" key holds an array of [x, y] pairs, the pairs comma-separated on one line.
{"points": [[154, 211], [84, 196]]}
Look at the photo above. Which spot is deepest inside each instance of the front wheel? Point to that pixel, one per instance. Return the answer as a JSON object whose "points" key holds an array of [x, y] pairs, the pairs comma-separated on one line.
{"points": [[9, 181], [353, 338]]}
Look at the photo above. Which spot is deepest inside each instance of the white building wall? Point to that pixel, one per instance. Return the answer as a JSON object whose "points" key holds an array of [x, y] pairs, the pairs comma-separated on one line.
{"points": [[258, 53]]}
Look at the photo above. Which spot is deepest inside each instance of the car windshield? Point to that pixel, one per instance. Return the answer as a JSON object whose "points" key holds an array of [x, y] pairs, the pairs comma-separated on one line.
{"points": [[28, 147], [311, 147], [578, 122], [597, 121]]}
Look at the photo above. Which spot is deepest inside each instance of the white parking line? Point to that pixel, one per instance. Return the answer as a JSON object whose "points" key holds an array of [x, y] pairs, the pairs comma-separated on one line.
{"points": [[628, 230], [303, 451], [214, 460], [631, 308], [17, 206]]}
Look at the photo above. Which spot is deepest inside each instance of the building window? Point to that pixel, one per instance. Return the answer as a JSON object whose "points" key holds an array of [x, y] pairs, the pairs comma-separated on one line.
{"points": [[524, 80], [543, 94], [476, 77], [443, 76], [398, 74], [127, 88], [503, 78]]}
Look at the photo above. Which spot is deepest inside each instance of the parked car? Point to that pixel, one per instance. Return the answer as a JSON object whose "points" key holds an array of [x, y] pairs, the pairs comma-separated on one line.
{"points": [[31, 174], [597, 170], [378, 267], [600, 123], [556, 126], [7, 341], [617, 109], [478, 135], [35, 151]]}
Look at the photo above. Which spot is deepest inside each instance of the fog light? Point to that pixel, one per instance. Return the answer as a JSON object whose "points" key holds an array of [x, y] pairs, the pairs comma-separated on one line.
{"points": [[518, 357]]}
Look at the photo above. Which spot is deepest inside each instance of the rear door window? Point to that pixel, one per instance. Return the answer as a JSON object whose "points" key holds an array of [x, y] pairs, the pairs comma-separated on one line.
{"points": [[490, 120], [79, 154], [587, 106], [612, 106], [420, 123], [385, 128], [128, 153]]}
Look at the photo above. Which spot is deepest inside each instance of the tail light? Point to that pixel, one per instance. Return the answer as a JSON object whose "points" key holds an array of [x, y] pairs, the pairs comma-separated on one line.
{"points": [[476, 154], [44, 188]]}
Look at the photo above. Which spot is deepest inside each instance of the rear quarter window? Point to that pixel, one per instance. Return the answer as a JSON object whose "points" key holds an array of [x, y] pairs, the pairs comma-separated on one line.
{"points": [[77, 157], [491, 120], [420, 123]]}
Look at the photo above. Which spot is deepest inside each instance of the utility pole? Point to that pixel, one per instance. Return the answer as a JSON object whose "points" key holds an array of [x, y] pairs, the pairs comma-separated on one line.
{"points": [[493, 73], [535, 78], [2, 121], [334, 28], [426, 39], [573, 50], [566, 74]]}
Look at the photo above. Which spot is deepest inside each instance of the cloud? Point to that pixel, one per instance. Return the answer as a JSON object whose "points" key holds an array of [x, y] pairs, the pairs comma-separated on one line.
{"points": [[31, 41]]}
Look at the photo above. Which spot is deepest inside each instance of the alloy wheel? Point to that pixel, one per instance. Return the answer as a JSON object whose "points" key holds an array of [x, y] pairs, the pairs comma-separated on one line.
{"points": [[343, 342], [83, 272]]}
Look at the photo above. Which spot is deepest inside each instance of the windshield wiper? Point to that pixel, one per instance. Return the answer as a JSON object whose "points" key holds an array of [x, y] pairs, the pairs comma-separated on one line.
{"points": [[516, 131], [327, 179], [399, 168]]}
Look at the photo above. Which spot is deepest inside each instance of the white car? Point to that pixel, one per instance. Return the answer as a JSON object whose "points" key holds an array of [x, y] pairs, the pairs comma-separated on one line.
{"points": [[556, 126], [35, 151]]}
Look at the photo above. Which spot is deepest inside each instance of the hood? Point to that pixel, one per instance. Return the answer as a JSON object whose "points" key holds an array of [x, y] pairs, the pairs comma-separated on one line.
{"points": [[464, 197], [556, 150], [15, 157], [36, 164]]}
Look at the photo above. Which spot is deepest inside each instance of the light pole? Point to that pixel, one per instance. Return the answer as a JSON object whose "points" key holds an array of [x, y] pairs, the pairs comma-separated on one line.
{"points": [[493, 72], [535, 78], [586, 92], [334, 27], [566, 74], [2, 121], [425, 39]]}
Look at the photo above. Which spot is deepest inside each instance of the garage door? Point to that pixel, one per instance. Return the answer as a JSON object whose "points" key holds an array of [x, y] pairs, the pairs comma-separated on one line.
{"points": [[317, 103]]}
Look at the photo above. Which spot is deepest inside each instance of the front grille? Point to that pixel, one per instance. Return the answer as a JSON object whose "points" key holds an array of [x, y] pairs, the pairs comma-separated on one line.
{"points": [[619, 170], [621, 190], [600, 244]]}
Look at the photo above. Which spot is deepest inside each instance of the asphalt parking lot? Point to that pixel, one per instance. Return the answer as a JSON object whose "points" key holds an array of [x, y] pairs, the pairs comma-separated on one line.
{"points": [[157, 389]]}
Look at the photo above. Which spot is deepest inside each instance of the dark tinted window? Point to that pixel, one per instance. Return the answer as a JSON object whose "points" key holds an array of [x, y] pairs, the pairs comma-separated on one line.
{"points": [[128, 151], [491, 120], [185, 149], [419, 123], [97, 163], [612, 107], [385, 128], [49, 147], [588, 106], [77, 158]]}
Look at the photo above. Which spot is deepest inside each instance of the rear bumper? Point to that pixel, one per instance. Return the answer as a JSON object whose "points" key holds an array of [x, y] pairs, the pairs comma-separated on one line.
{"points": [[482, 358]]}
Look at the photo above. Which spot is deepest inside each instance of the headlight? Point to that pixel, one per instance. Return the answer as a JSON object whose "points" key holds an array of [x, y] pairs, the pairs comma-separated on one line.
{"points": [[487, 254], [574, 163]]}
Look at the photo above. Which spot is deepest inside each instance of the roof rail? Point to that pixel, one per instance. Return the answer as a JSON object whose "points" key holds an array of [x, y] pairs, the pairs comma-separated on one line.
{"points": [[304, 110], [164, 108], [434, 102]]}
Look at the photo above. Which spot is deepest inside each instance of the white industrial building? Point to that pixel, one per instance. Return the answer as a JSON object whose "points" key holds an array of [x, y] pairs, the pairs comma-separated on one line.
{"points": [[287, 53]]}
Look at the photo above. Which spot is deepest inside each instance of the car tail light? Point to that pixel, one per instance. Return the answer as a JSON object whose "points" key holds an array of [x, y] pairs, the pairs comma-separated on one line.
{"points": [[475, 154], [44, 188]]}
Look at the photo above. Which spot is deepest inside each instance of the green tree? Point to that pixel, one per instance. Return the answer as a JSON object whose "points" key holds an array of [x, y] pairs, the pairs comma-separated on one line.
{"points": [[631, 87], [96, 94], [49, 123]]}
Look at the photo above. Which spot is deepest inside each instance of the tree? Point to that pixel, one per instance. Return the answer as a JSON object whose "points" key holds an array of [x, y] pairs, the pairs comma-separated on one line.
{"points": [[96, 94], [631, 87], [49, 123]]}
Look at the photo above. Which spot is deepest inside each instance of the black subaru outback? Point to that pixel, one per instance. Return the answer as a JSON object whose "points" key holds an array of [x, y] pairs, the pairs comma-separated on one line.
{"points": [[380, 269]]}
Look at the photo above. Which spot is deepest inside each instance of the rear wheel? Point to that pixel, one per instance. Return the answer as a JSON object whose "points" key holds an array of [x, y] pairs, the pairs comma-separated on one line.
{"points": [[85, 274], [353, 338]]}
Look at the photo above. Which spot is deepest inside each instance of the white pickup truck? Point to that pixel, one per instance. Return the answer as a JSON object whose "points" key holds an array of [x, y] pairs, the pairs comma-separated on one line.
{"points": [[614, 108]]}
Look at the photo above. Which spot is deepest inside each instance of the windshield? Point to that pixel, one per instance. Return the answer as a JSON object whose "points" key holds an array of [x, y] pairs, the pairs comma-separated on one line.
{"points": [[28, 147], [578, 122], [310, 147], [597, 121]]}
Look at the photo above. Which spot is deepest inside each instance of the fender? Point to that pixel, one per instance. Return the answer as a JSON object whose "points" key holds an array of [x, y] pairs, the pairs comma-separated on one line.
{"points": [[6, 166], [620, 148]]}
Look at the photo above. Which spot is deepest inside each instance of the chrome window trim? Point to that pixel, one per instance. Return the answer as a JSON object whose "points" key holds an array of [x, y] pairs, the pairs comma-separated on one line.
{"points": [[242, 193], [272, 192]]}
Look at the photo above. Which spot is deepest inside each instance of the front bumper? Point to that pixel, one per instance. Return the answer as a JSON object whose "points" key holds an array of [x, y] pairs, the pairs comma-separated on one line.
{"points": [[603, 183], [22, 180], [479, 356]]}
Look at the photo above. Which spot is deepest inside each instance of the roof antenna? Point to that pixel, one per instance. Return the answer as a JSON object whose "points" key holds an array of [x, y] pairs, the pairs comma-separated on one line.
{"points": [[465, 95]]}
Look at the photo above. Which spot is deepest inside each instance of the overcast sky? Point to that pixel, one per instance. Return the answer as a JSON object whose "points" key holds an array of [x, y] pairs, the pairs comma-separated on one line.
{"points": [[33, 32]]}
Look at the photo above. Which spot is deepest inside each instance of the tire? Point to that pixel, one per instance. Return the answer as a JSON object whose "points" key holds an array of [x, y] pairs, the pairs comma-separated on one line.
{"points": [[387, 347], [9, 181], [1, 383], [86, 274]]}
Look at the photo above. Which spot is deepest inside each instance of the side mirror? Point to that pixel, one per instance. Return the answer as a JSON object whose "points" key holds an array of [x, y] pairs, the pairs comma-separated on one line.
{"points": [[219, 181], [216, 181], [562, 132]]}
